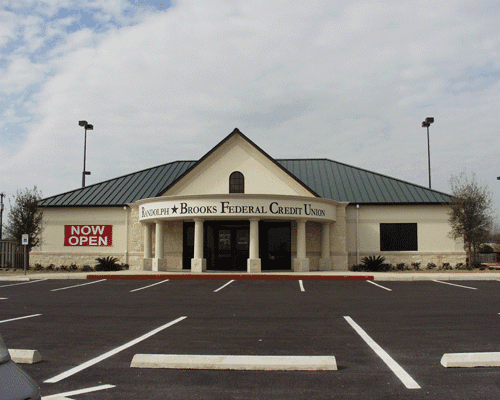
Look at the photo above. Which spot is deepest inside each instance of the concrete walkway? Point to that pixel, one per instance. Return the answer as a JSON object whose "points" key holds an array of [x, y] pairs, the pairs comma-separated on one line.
{"points": [[314, 275]]}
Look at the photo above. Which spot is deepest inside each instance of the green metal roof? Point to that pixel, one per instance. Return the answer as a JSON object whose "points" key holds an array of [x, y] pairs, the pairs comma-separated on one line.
{"points": [[120, 191], [327, 178], [342, 182]]}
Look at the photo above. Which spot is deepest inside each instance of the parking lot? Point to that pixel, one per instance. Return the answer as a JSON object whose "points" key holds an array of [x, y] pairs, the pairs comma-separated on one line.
{"points": [[89, 331]]}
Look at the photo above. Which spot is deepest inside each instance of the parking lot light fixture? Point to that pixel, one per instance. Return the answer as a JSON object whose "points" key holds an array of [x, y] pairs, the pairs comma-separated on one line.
{"points": [[425, 124], [86, 127]]}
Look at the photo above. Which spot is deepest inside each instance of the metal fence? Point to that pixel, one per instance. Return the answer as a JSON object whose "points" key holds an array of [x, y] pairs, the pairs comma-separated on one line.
{"points": [[486, 258], [11, 254]]}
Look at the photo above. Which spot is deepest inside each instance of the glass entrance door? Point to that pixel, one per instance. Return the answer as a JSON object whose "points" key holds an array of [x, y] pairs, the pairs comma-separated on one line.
{"points": [[231, 247], [226, 245], [275, 245]]}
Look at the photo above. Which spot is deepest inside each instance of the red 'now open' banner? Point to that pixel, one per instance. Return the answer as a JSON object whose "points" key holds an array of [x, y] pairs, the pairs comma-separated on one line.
{"points": [[88, 235]]}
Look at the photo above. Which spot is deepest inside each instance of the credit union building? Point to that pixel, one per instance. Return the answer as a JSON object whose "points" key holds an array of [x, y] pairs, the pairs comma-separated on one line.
{"points": [[239, 209]]}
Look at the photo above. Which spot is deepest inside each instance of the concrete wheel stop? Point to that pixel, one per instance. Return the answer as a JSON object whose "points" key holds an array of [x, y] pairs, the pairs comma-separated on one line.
{"points": [[232, 362], [470, 360], [25, 356]]}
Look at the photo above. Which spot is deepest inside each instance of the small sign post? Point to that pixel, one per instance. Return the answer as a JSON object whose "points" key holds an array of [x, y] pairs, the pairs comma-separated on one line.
{"points": [[24, 241]]}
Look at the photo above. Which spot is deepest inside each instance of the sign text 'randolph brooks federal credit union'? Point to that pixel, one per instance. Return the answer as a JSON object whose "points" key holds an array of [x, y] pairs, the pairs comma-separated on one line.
{"points": [[236, 208]]}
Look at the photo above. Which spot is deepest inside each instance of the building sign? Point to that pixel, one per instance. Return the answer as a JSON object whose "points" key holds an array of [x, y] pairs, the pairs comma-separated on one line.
{"points": [[310, 209], [88, 235]]}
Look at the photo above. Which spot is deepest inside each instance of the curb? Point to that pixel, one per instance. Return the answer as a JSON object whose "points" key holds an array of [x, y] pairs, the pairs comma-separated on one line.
{"points": [[260, 277]]}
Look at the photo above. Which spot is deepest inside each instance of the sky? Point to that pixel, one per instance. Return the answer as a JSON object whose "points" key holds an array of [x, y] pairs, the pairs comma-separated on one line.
{"points": [[163, 81]]}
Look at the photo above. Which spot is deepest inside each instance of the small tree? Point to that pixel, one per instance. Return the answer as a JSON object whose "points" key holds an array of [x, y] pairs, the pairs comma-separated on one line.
{"points": [[470, 215], [25, 217]]}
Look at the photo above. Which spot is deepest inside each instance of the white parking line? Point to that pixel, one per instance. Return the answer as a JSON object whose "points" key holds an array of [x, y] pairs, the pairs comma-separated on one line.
{"points": [[15, 319], [223, 286], [403, 376], [380, 286], [154, 284], [301, 285], [75, 392], [23, 283], [454, 284], [98, 359], [4, 298], [82, 284]]}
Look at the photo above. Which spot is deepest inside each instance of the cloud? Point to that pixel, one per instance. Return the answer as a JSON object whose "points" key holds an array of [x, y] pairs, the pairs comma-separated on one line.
{"points": [[347, 81]]}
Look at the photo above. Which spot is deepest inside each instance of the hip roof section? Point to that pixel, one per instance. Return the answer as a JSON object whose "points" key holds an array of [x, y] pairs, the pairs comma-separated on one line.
{"points": [[329, 179]]}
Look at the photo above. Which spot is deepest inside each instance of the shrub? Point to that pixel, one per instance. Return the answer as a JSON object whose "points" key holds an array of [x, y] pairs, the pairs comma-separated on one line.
{"points": [[38, 267], [482, 267], [87, 268], [73, 267], [375, 264], [50, 267], [446, 266], [124, 266], [431, 265], [107, 264], [64, 268], [416, 266], [357, 268], [401, 266]]}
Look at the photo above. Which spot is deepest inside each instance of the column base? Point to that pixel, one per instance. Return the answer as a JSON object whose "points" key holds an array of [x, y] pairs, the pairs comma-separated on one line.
{"points": [[325, 264], [301, 265], [147, 264], [160, 264], [254, 266], [198, 265]]}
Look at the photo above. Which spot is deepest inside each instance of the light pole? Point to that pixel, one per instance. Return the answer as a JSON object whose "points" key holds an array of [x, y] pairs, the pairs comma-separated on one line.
{"points": [[89, 127], [425, 124], [1, 213]]}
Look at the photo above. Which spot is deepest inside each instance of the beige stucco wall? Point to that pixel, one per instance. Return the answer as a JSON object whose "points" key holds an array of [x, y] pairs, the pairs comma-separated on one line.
{"points": [[434, 244], [52, 249], [262, 176]]}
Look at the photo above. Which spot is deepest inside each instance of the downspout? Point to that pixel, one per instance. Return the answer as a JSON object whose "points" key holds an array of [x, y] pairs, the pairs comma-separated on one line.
{"points": [[357, 234], [126, 234]]}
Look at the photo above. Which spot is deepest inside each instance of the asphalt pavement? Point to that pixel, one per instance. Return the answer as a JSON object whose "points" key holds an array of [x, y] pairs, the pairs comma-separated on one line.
{"points": [[94, 326]]}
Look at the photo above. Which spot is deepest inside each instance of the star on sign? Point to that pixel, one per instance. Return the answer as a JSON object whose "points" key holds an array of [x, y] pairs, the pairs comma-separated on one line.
{"points": [[174, 209]]}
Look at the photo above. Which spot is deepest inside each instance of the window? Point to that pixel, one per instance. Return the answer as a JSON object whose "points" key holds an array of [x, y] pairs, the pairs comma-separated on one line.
{"points": [[236, 183], [398, 237]]}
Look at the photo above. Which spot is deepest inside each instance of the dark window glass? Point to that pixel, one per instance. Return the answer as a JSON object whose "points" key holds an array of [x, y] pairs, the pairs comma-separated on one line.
{"points": [[398, 237], [236, 183]]}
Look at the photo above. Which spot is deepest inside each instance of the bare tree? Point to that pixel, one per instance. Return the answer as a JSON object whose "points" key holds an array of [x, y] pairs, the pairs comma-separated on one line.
{"points": [[25, 217], [470, 214]]}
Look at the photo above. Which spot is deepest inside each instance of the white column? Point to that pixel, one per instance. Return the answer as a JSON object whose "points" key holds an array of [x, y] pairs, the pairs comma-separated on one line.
{"points": [[147, 261], [254, 262], [325, 263], [159, 240], [158, 246], [301, 263], [198, 263]]}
